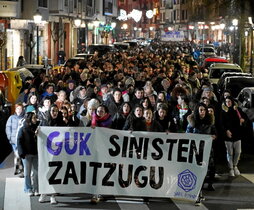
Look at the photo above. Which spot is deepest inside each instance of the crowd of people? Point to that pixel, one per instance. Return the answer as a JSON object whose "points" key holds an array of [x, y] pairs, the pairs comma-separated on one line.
{"points": [[138, 90]]}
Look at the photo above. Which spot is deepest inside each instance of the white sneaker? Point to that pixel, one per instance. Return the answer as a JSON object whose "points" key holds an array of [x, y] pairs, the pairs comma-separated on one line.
{"points": [[30, 193], [53, 200], [36, 193], [95, 199], [42, 198], [231, 172], [236, 171]]}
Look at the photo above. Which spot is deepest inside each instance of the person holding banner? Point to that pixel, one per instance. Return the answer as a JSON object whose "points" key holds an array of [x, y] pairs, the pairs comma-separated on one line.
{"points": [[135, 121], [100, 118], [27, 150], [54, 119], [121, 116], [200, 121]]}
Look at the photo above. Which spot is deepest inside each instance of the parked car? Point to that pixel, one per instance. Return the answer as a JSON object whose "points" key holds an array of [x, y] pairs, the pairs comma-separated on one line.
{"points": [[207, 62], [217, 69], [35, 69], [121, 45], [132, 43], [101, 49], [236, 83], [84, 55], [246, 103], [221, 81], [71, 62], [207, 52]]}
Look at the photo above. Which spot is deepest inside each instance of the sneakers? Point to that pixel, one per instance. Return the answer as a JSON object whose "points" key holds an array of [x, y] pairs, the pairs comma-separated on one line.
{"points": [[42, 198], [21, 175], [30, 193], [36, 193], [236, 171], [198, 202], [95, 199], [231, 172], [53, 200]]}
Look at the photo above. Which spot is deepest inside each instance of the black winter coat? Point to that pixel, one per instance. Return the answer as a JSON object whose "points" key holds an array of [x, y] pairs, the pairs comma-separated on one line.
{"points": [[27, 141]]}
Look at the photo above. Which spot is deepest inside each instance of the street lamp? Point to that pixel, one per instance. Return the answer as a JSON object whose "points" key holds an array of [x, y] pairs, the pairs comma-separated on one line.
{"points": [[77, 22], [235, 24], [37, 20], [150, 32], [96, 23], [135, 32], [125, 27], [251, 42], [113, 25]]}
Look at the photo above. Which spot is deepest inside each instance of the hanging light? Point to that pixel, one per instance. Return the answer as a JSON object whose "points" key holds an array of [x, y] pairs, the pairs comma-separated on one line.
{"points": [[37, 17], [113, 25], [235, 22], [96, 22], [77, 22], [83, 24]]}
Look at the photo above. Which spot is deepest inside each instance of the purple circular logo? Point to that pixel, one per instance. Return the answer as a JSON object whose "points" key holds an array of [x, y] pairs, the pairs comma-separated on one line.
{"points": [[187, 180]]}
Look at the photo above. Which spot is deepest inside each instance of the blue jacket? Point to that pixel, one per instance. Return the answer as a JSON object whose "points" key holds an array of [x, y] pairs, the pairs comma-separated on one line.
{"points": [[12, 128]]}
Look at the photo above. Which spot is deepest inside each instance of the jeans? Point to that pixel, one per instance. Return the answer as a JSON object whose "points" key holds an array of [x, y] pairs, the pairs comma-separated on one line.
{"points": [[233, 152], [31, 179]]}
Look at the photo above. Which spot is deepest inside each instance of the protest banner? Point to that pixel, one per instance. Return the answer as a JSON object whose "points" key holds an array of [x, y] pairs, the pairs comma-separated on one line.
{"points": [[176, 36], [114, 162]]}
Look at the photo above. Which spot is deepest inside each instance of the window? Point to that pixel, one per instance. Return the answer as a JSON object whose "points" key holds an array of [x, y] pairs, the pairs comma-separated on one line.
{"points": [[75, 4], [182, 18], [43, 3], [90, 3], [66, 3]]}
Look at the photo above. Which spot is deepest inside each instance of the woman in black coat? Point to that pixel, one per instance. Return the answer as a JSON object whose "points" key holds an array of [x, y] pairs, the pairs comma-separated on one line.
{"points": [[120, 117], [202, 122], [27, 149], [135, 121], [232, 122]]}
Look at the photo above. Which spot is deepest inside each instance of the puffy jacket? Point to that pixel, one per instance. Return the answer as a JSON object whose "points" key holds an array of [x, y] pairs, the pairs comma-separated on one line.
{"points": [[12, 127]]}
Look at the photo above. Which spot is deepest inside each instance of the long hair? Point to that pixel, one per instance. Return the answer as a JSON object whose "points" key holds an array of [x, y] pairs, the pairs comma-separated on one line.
{"points": [[28, 119], [30, 96], [206, 120]]}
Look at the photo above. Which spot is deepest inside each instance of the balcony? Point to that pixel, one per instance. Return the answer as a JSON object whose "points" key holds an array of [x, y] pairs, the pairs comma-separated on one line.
{"points": [[10, 9]]}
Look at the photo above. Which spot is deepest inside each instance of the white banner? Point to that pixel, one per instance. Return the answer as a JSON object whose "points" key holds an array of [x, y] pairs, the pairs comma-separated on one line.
{"points": [[172, 36], [113, 162]]}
